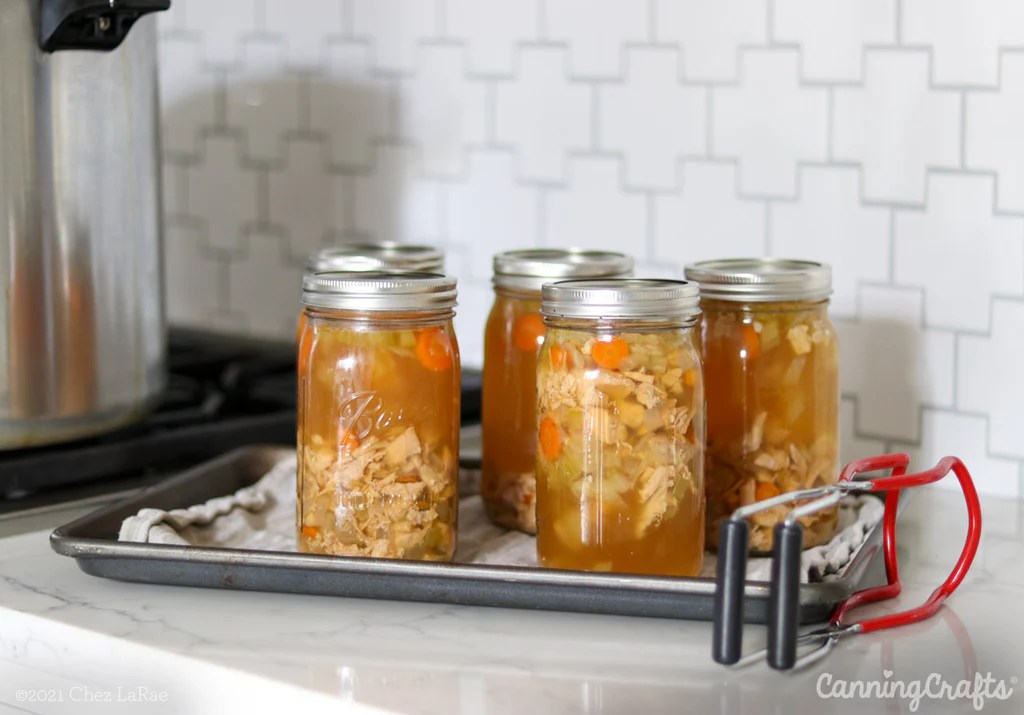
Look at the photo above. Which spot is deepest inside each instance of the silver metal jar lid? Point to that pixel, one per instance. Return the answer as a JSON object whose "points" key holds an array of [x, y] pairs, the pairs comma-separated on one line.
{"points": [[377, 291], [649, 298], [389, 256], [530, 269], [762, 280]]}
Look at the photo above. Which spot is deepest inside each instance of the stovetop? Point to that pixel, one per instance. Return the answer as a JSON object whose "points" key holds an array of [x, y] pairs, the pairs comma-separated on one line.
{"points": [[223, 392]]}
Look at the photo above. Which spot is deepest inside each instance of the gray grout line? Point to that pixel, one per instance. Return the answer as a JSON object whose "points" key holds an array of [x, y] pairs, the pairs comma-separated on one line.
{"points": [[491, 113], [305, 103], [830, 124], [260, 15], [542, 216], [709, 121], [650, 217], [956, 371], [892, 246], [220, 111], [963, 130]]}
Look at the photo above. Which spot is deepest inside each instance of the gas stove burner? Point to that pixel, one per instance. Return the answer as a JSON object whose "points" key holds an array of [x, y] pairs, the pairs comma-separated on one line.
{"points": [[214, 401], [222, 392]]}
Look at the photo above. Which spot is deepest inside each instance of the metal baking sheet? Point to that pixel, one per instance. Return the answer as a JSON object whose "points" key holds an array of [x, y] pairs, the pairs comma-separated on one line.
{"points": [[92, 542]]}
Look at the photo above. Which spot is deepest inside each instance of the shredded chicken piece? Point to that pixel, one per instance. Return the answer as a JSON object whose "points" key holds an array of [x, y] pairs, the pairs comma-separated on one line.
{"points": [[648, 395], [752, 440], [772, 459], [386, 498], [639, 377], [406, 445], [799, 339], [655, 487]]}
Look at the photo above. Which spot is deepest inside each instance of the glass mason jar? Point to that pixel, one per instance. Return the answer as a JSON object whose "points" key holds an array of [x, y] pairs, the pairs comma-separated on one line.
{"points": [[388, 256], [771, 366], [380, 256], [620, 403], [378, 416], [512, 340]]}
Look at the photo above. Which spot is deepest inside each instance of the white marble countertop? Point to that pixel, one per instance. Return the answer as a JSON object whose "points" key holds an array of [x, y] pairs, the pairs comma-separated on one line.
{"points": [[67, 635]]}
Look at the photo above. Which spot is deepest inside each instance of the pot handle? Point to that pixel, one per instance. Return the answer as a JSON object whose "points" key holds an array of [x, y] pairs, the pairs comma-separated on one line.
{"points": [[90, 24]]}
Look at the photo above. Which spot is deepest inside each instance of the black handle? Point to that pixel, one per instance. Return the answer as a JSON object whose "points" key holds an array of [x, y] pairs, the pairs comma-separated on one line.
{"points": [[784, 595], [730, 579], [90, 24]]}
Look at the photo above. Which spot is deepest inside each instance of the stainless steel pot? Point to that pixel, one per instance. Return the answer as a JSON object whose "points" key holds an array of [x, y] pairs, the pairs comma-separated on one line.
{"points": [[82, 333]]}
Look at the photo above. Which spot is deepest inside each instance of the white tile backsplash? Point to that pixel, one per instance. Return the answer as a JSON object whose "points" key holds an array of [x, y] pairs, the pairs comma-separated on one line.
{"points": [[770, 122], [994, 140], [710, 32], [832, 34], [394, 28], [829, 223], [896, 126], [492, 31], [964, 36], [988, 377], [596, 43], [882, 136], [706, 219], [958, 252], [592, 210], [652, 119], [489, 212], [543, 115]]}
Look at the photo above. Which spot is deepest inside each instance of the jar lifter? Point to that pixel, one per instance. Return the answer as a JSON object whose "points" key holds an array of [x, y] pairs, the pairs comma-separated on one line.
{"points": [[784, 588]]}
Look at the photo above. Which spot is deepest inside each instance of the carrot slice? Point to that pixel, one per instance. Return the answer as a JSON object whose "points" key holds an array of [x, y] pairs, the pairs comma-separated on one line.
{"points": [[690, 377], [348, 441], [550, 439], [528, 332], [310, 532], [559, 356], [751, 342], [766, 490], [434, 350], [609, 353]]}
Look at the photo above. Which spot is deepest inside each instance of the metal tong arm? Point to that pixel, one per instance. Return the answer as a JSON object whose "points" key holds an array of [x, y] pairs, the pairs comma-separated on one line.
{"points": [[784, 588], [892, 486], [787, 545], [731, 570]]}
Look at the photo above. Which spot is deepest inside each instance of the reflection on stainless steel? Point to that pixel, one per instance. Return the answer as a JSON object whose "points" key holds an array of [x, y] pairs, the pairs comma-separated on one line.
{"points": [[82, 332]]}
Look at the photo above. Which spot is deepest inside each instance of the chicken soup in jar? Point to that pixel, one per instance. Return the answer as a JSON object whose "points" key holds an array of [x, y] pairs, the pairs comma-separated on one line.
{"points": [[620, 428], [771, 369], [378, 416], [512, 340]]}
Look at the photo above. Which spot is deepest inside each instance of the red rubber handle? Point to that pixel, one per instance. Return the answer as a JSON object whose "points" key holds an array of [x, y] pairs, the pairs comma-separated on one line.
{"points": [[892, 485]]}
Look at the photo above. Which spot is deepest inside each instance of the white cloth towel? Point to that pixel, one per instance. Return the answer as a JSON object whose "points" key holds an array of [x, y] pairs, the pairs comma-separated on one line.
{"points": [[262, 517]]}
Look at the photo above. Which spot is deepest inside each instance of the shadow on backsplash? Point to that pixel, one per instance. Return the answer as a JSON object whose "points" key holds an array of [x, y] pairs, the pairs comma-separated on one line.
{"points": [[886, 363]]}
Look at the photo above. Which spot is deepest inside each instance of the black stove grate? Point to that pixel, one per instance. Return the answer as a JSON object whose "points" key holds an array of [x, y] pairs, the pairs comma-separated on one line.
{"points": [[223, 392]]}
